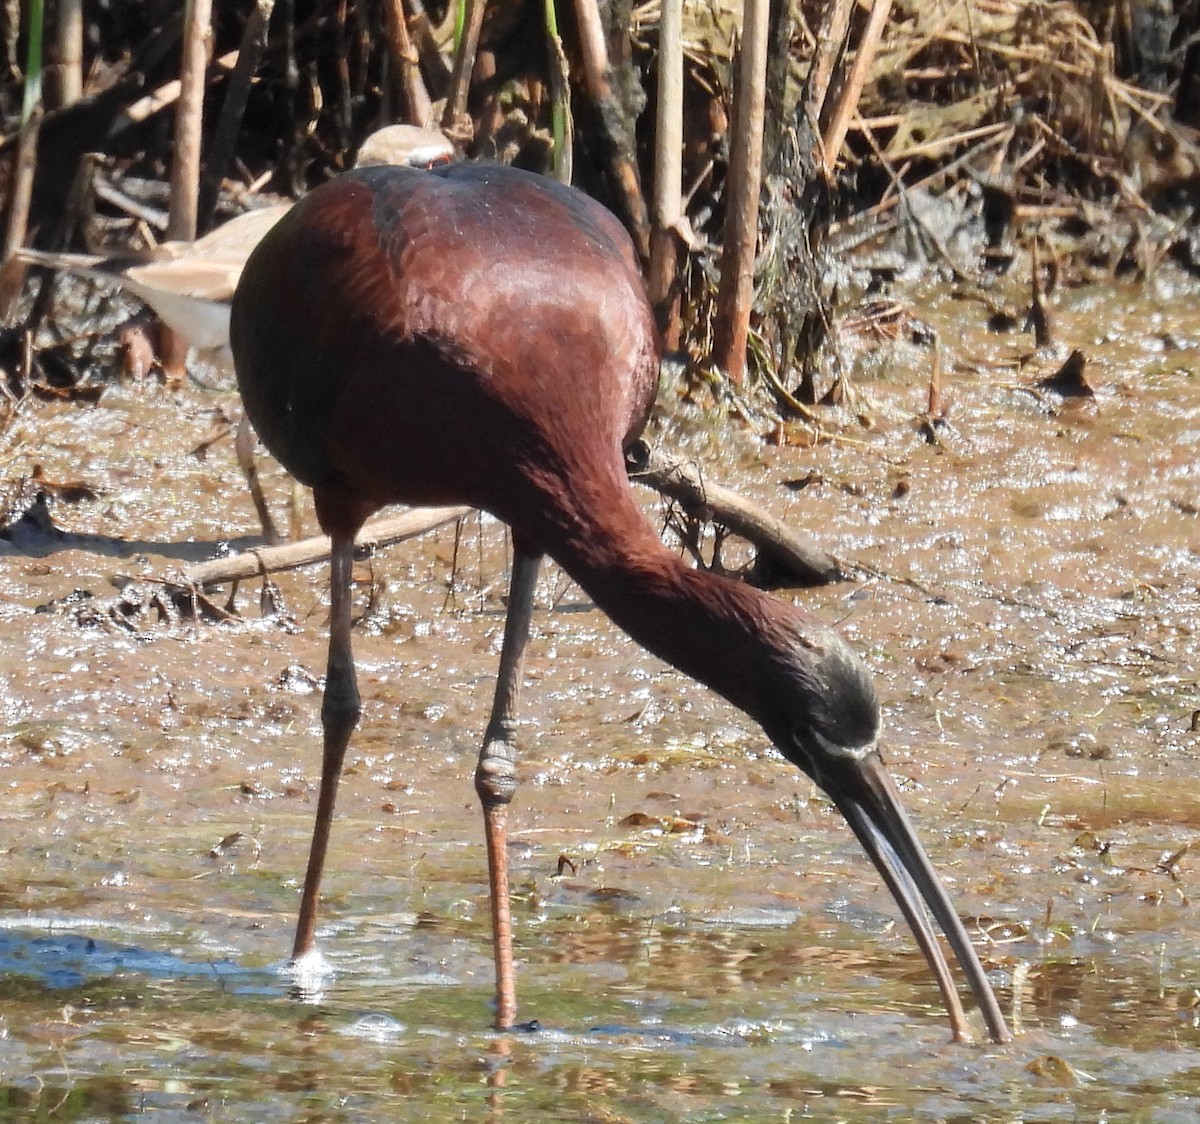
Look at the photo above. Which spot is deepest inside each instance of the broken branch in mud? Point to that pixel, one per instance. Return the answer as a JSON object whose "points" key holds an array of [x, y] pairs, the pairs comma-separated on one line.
{"points": [[793, 552], [290, 556]]}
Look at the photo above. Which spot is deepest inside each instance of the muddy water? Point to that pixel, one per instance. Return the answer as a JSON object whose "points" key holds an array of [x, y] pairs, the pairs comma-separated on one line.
{"points": [[721, 950]]}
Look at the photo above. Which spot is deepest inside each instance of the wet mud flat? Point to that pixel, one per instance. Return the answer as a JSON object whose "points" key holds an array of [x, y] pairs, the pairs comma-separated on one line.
{"points": [[698, 934]]}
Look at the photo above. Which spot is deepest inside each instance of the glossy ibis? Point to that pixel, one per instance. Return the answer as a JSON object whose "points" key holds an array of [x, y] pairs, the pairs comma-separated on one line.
{"points": [[190, 285], [479, 335]]}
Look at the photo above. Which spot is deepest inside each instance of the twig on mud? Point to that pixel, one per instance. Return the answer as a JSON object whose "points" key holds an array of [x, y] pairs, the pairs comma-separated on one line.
{"points": [[289, 556], [793, 551], [152, 216]]}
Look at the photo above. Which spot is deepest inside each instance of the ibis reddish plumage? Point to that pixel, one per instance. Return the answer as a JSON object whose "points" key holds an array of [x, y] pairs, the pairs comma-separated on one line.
{"points": [[479, 335]]}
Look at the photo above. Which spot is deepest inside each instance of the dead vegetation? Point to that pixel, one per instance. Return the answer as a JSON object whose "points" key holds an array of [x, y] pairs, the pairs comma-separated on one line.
{"points": [[1053, 122], [1015, 147]]}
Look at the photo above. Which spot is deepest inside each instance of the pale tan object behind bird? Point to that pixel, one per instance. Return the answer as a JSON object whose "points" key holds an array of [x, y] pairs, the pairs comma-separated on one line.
{"points": [[189, 285]]}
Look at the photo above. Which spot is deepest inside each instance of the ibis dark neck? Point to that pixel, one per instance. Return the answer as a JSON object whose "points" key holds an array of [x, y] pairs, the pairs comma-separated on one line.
{"points": [[715, 630]]}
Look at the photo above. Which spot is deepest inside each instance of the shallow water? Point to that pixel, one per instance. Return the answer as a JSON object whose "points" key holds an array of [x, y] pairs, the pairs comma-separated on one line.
{"points": [[722, 950]]}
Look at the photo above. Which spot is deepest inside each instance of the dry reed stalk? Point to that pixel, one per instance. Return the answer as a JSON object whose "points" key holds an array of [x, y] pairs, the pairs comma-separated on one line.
{"points": [[464, 65], [417, 106], [189, 120], [69, 41], [185, 164], [237, 93], [598, 83], [828, 54], [848, 96], [668, 173], [12, 275], [735, 292], [933, 148], [933, 401], [165, 95], [10, 19], [423, 36]]}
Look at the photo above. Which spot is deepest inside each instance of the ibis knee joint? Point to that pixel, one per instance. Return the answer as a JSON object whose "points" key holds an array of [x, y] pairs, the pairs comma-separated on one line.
{"points": [[495, 781]]}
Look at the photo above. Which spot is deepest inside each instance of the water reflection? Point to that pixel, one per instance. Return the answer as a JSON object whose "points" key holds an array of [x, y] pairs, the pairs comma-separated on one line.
{"points": [[64, 961]]}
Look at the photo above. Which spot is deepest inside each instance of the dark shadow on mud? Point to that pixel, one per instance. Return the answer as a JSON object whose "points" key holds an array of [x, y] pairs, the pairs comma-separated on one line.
{"points": [[34, 535]]}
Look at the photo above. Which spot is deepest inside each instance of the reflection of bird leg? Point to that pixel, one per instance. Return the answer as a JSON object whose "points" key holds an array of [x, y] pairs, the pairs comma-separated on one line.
{"points": [[497, 1079]]}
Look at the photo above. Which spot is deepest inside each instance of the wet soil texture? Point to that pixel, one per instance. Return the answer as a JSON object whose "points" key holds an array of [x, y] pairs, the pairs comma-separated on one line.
{"points": [[716, 947]]}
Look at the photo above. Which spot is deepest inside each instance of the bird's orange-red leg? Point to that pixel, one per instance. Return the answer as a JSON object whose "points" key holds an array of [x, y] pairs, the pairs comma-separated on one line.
{"points": [[496, 777], [339, 715]]}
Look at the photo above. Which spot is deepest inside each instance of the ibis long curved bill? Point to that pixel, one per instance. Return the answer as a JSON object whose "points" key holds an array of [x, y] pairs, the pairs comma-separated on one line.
{"points": [[865, 794]]}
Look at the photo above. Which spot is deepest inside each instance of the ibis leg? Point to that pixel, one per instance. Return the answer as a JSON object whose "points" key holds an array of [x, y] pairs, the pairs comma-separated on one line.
{"points": [[496, 776], [339, 715], [243, 445]]}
